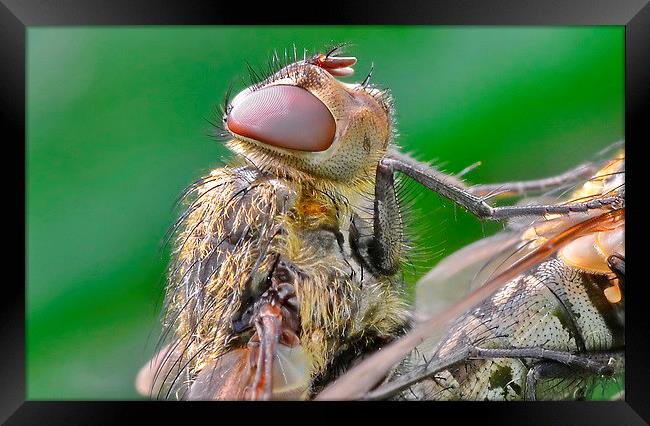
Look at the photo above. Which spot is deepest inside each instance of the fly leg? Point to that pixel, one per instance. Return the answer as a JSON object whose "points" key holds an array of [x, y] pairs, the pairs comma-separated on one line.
{"points": [[268, 332], [616, 263], [276, 322], [429, 369], [449, 187], [557, 364], [513, 189], [381, 250], [544, 370], [601, 363]]}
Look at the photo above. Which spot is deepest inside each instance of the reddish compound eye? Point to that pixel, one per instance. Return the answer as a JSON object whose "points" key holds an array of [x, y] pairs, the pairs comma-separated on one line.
{"points": [[284, 116]]}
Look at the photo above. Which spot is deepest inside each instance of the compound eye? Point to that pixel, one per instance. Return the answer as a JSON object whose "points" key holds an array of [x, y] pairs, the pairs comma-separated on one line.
{"points": [[283, 116]]}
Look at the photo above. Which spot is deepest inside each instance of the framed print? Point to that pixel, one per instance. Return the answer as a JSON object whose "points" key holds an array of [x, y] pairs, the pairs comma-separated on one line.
{"points": [[276, 210]]}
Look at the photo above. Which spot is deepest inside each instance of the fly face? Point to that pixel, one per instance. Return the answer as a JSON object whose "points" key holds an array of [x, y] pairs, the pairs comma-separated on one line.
{"points": [[303, 118], [544, 320]]}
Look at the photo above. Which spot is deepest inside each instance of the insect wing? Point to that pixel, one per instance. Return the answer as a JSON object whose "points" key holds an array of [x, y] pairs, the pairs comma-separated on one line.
{"points": [[225, 379], [455, 276], [155, 375]]}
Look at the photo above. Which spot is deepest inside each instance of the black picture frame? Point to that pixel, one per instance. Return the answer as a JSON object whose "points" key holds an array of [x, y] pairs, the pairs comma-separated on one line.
{"points": [[17, 15]]}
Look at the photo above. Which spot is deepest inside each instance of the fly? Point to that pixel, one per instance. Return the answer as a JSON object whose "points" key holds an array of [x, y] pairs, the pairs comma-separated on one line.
{"points": [[286, 267], [545, 318]]}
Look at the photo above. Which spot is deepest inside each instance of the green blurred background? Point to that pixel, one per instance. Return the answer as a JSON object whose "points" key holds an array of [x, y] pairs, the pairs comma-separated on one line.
{"points": [[117, 128]]}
